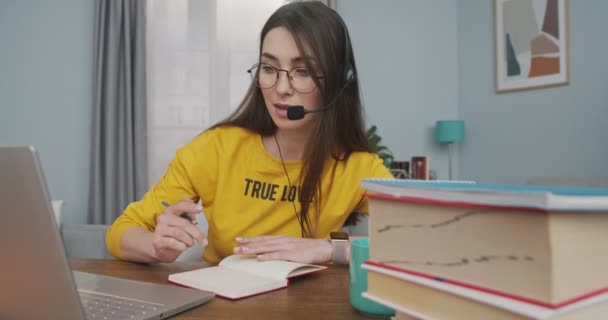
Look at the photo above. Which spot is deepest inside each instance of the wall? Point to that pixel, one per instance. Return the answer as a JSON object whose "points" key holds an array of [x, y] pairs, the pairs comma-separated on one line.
{"points": [[407, 57], [45, 90], [418, 61], [558, 131]]}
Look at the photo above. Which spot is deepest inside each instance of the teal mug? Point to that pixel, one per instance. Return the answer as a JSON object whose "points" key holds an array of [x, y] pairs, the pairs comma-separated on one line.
{"points": [[359, 252]]}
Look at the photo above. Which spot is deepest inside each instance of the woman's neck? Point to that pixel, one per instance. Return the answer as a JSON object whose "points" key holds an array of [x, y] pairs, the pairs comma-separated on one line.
{"points": [[288, 144]]}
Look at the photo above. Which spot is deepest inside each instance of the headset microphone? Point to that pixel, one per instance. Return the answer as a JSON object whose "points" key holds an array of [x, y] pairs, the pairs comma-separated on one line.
{"points": [[295, 112], [298, 112]]}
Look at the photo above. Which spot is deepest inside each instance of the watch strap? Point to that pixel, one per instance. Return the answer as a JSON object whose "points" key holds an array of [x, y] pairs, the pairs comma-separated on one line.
{"points": [[339, 252]]}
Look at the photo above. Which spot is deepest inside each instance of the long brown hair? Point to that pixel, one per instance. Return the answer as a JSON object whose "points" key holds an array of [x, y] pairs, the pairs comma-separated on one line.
{"points": [[340, 129]]}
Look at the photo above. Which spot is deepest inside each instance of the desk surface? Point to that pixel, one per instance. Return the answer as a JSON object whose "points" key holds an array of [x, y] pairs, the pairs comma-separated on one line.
{"points": [[321, 295]]}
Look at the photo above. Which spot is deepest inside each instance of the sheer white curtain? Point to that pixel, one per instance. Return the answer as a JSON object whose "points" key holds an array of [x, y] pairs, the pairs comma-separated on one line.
{"points": [[198, 53]]}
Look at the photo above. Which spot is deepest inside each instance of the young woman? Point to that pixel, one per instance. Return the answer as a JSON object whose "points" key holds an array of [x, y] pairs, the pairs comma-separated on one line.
{"points": [[278, 175]]}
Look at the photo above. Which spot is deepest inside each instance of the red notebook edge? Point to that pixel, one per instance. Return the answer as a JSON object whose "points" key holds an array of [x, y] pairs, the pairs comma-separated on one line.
{"points": [[554, 306], [383, 196], [255, 294], [233, 298]]}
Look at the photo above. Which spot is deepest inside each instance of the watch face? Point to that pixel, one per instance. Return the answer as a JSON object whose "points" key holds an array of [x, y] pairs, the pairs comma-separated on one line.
{"points": [[339, 235]]}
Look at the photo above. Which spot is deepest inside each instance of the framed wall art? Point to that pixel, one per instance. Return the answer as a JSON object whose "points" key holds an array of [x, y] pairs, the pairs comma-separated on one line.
{"points": [[531, 44]]}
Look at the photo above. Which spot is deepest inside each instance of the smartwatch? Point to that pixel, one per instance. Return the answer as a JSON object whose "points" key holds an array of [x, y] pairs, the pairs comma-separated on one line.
{"points": [[339, 241]]}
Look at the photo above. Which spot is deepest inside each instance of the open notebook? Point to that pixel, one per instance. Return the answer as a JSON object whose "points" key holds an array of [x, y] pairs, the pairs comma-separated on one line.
{"points": [[241, 276]]}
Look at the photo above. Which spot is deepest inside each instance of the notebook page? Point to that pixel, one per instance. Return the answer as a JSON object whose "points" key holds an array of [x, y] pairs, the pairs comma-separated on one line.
{"points": [[274, 269], [227, 282]]}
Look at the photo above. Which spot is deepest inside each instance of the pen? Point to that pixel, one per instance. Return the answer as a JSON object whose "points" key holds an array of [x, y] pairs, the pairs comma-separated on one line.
{"points": [[183, 215]]}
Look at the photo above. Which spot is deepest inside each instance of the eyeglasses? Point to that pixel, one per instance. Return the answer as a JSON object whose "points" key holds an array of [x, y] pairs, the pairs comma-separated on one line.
{"points": [[266, 76]]}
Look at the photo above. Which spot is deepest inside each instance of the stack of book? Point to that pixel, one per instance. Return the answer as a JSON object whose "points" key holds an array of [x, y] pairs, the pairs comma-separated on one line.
{"points": [[445, 250], [400, 169]]}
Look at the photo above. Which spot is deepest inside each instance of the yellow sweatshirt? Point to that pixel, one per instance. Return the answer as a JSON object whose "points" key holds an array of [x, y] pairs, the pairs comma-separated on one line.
{"points": [[245, 192]]}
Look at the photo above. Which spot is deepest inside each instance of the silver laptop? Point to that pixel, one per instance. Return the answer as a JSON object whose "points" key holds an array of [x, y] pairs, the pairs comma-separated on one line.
{"points": [[35, 278]]}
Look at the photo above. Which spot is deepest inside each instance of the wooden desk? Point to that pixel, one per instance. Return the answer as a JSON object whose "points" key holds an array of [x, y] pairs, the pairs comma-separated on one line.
{"points": [[321, 295]]}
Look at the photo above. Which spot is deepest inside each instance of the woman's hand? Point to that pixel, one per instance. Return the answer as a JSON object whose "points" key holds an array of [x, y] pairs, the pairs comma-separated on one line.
{"points": [[174, 234], [285, 248]]}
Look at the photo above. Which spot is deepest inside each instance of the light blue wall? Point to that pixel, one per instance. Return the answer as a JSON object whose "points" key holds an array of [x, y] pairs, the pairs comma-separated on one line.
{"points": [[559, 131], [422, 60], [46, 60], [418, 60], [407, 57]]}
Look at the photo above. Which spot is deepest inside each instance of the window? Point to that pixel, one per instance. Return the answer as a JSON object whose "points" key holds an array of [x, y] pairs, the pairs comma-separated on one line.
{"points": [[198, 54]]}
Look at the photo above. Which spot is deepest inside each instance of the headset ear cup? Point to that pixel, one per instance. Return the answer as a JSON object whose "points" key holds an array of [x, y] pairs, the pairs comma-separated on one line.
{"points": [[348, 75], [348, 71]]}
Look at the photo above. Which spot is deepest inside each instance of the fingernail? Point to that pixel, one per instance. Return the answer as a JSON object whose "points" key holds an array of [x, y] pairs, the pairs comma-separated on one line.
{"points": [[260, 257], [236, 249], [205, 242], [239, 239], [244, 248]]}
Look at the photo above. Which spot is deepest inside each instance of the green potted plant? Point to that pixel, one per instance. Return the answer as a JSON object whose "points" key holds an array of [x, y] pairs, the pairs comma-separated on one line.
{"points": [[383, 152], [375, 143]]}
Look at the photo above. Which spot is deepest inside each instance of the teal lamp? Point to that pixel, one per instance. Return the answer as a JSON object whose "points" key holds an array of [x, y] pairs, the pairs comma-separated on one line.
{"points": [[450, 132]]}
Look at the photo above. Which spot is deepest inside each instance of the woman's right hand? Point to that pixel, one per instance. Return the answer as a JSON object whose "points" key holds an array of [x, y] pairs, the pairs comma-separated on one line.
{"points": [[174, 234]]}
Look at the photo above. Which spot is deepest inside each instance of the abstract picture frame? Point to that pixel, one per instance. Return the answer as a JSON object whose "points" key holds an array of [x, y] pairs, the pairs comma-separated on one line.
{"points": [[531, 41]]}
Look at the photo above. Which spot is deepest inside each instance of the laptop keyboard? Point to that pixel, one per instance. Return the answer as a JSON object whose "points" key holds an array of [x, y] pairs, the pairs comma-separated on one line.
{"points": [[104, 306]]}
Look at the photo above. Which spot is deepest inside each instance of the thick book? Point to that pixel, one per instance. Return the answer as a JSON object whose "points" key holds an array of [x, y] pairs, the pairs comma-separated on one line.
{"points": [[427, 298], [560, 198], [548, 257], [241, 276], [420, 168]]}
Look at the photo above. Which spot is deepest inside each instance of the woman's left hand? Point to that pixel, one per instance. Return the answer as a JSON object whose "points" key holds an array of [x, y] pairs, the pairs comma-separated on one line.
{"points": [[286, 248]]}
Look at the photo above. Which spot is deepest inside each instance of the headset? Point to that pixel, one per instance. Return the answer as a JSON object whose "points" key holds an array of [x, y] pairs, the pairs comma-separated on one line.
{"points": [[347, 76]]}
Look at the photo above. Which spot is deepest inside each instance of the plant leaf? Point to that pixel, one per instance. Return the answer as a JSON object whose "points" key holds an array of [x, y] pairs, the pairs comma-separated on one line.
{"points": [[375, 145], [375, 141], [371, 131]]}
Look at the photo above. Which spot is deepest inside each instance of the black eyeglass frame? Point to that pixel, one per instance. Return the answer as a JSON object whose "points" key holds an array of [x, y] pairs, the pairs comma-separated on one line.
{"points": [[254, 76]]}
